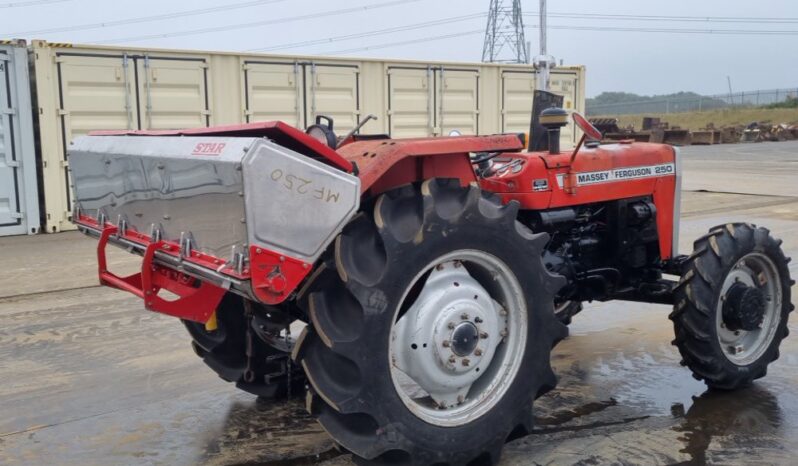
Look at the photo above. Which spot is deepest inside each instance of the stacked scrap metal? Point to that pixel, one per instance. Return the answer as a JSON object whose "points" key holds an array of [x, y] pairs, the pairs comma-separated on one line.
{"points": [[656, 130]]}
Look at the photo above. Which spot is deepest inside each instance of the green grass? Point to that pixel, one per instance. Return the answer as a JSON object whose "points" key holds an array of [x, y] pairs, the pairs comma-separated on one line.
{"points": [[724, 117]]}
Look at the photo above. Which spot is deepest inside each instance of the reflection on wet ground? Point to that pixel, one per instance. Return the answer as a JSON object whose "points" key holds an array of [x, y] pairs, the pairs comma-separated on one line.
{"points": [[623, 398]]}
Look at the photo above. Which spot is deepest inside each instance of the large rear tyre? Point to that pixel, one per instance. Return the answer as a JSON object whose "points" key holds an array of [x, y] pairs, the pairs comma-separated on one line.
{"points": [[731, 305], [264, 373], [431, 329]]}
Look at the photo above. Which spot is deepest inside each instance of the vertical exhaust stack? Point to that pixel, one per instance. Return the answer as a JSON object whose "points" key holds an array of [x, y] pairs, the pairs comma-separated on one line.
{"points": [[553, 119], [541, 101]]}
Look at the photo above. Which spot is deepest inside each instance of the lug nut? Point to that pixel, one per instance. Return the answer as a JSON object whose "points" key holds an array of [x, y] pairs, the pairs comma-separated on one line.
{"points": [[439, 267], [503, 333], [503, 313], [457, 264], [478, 352], [450, 325], [452, 359], [464, 316], [483, 335], [446, 343], [466, 362], [460, 399]]}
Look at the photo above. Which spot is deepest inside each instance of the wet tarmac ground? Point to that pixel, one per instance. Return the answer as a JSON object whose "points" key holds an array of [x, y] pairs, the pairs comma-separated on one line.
{"points": [[87, 377]]}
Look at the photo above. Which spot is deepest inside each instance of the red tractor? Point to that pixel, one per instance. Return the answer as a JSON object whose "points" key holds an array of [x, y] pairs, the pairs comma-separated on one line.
{"points": [[427, 279]]}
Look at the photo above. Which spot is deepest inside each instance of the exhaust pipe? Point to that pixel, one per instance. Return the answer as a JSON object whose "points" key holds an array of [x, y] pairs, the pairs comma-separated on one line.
{"points": [[553, 119]]}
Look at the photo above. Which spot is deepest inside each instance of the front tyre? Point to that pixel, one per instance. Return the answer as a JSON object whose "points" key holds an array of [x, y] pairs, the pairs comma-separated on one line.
{"points": [[566, 310], [731, 305], [432, 329], [262, 369]]}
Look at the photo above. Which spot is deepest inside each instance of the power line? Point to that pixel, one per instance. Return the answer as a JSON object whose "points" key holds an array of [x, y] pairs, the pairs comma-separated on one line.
{"points": [[143, 19], [30, 3], [666, 18], [411, 41], [570, 28], [373, 33], [740, 32], [480, 15], [258, 23]]}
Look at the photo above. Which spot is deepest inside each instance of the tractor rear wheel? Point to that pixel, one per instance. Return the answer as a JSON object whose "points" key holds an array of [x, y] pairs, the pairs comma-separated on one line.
{"points": [[264, 372], [431, 329], [731, 305]]}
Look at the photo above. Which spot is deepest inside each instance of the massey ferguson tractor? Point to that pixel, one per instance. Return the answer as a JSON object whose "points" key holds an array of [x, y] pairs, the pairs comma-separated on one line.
{"points": [[413, 289]]}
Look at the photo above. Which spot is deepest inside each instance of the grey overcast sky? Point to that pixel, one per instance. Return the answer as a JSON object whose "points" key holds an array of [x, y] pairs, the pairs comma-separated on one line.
{"points": [[630, 60]]}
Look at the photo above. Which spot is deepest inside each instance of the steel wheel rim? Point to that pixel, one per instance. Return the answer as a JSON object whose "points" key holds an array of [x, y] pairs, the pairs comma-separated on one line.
{"points": [[744, 347], [505, 361]]}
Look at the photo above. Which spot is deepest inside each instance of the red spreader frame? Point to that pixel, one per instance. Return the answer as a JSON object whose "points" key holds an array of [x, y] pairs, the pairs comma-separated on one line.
{"points": [[273, 277]]}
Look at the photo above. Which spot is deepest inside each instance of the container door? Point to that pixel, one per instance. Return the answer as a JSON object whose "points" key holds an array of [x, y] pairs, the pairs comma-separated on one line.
{"points": [[274, 92], [9, 178], [19, 200], [458, 101], [516, 107], [333, 91], [173, 93], [566, 85], [96, 92], [410, 102]]}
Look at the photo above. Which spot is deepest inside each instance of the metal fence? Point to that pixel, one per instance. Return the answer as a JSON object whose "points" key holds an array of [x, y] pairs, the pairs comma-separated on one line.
{"points": [[695, 103]]}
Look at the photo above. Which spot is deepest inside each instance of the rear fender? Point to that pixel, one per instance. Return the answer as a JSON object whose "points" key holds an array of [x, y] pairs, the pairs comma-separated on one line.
{"points": [[388, 163]]}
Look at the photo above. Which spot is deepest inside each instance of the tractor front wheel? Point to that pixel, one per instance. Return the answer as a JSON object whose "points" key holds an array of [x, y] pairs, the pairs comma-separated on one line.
{"points": [[566, 310], [236, 352], [731, 305], [432, 328]]}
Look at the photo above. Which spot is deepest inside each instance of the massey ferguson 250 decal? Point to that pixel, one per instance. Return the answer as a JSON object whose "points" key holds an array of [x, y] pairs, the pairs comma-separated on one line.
{"points": [[620, 174]]}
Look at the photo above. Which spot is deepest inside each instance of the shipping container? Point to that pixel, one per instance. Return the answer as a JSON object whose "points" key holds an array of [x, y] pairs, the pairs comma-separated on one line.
{"points": [[82, 88], [19, 202]]}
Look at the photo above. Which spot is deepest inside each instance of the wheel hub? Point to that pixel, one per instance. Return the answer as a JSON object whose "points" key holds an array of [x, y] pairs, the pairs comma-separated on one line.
{"points": [[744, 307], [747, 314], [448, 337], [464, 339]]}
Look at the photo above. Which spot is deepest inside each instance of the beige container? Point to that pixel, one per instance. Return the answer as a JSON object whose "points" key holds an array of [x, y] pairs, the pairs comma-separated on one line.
{"points": [[81, 88]]}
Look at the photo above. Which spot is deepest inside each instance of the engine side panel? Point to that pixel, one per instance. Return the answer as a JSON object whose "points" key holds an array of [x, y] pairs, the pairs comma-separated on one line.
{"points": [[610, 172]]}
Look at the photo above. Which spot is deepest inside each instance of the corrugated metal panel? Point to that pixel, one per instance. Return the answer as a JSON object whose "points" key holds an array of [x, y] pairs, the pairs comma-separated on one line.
{"points": [[565, 84], [94, 92], [274, 92], [175, 93], [333, 90], [410, 102], [81, 88], [518, 88], [19, 202], [458, 101]]}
